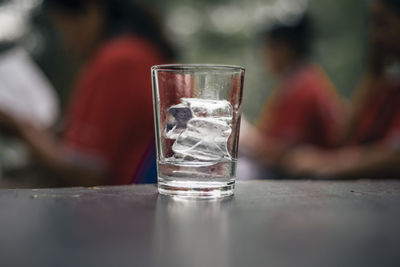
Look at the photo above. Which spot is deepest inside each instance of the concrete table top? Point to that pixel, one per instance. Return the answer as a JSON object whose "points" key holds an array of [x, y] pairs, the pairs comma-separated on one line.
{"points": [[266, 223]]}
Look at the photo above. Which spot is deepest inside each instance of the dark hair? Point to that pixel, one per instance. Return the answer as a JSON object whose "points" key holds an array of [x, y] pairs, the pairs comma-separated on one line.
{"points": [[298, 35], [123, 16], [393, 4]]}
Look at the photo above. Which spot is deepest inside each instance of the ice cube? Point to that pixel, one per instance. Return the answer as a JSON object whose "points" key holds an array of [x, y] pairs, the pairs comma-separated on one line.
{"points": [[177, 118], [220, 109], [200, 128], [204, 139]]}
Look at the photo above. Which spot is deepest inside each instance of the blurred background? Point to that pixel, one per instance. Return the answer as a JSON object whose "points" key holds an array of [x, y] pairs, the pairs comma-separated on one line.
{"points": [[207, 31], [211, 31]]}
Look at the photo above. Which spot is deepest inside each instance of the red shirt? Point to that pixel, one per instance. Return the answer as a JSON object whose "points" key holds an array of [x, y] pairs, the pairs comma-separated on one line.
{"points": [[305, 108], [380, 119], [110, 116]]}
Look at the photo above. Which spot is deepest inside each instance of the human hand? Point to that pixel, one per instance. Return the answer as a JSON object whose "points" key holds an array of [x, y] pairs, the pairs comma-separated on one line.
{"points": [[251, 139], [322, 163], [307, 161]]}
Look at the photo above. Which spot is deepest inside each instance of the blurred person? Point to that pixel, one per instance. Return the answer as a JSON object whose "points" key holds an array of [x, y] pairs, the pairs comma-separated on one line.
{"points": [[303, 109], [109, 134], [372, 146]]}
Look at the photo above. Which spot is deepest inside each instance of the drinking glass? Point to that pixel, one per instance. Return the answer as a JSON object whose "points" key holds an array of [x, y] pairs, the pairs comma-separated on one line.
{"points": [[197, 119]]}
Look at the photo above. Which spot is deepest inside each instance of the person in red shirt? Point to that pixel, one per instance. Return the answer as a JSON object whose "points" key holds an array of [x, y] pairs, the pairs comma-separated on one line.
{"points": [[371, 148], [304, 108], [109, 134]]}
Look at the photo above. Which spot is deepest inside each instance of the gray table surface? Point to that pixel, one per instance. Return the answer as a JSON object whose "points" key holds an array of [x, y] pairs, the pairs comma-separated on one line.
{"points": [[266, 223]]}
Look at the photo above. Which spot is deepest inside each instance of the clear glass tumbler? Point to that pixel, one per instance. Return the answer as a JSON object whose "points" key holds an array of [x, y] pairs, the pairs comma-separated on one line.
{"points": [[197, 117]]}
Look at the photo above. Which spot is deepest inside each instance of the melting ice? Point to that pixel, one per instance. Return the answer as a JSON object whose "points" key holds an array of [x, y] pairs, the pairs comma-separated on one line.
{"points": [[200, 128]]}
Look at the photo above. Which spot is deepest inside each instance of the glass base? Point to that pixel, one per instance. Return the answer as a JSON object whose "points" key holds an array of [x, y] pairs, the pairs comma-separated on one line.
{"points": [[191, 189]]}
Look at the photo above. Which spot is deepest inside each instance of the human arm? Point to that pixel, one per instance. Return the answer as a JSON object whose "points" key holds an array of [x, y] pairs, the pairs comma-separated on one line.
{"points": [[375, 161], [256, 144], [68, 168], [312, 114]]}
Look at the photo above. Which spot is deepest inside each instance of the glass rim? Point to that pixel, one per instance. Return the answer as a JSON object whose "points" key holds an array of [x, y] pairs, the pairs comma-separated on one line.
{"points": [[197, 67]]}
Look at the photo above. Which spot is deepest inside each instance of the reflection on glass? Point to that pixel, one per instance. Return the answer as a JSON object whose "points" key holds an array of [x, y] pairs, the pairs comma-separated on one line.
{"points": [[196, 229]]}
